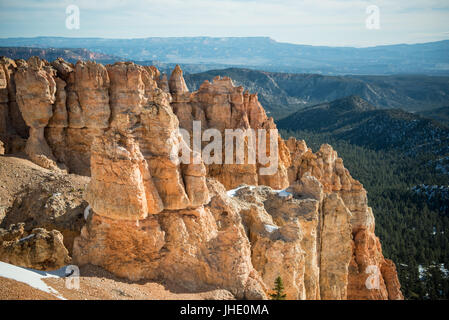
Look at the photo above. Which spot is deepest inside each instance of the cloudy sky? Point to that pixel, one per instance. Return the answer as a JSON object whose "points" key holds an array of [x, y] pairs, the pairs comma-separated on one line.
{"points": [[315, 22]]}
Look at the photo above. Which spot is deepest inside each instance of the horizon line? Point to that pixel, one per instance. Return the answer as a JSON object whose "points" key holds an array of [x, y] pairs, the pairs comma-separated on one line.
{"points": [[216, 37]]}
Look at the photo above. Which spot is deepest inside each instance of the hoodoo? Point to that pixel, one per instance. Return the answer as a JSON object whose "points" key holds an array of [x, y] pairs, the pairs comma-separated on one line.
{"points": [[203, 226]]}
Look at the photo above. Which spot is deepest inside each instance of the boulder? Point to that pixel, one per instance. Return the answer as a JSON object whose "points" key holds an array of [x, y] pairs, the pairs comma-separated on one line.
{"points": [[40, 249]]}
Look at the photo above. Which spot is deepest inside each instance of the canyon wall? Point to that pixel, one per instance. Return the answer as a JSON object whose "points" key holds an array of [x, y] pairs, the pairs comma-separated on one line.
{"points": [[201, 225]]}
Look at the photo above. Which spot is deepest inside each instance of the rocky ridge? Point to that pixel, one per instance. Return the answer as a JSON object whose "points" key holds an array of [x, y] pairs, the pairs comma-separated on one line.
{"points": [[154, 219]]}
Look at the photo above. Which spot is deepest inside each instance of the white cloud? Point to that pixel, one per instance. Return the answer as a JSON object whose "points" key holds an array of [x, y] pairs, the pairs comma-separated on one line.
{"points": [[332, 22]]}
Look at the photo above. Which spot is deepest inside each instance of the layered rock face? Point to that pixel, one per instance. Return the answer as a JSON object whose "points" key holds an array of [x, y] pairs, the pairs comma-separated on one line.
{"points": [[154, 218], [278, 228], [198, 249], [302, 234], [370, 274], [149, 216], [13, 130], [36, 94], [222, 106], [77, 103], [328, 168], [4, 108]]}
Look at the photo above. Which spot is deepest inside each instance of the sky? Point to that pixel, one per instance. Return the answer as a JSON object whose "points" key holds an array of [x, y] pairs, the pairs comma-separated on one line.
{"points": [[313, 22]]}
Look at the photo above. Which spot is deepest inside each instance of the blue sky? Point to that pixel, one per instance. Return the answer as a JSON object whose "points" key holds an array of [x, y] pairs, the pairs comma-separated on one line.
{"points": [[315, 22]]}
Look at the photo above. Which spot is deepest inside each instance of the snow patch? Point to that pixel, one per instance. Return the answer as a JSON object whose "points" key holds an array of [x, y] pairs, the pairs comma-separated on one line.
{"points": [[444, 270], [122, 150], [422, 272], [269, 228], [283, 193], [87, 212], [31, 277], [27, 237], [233, 192]]}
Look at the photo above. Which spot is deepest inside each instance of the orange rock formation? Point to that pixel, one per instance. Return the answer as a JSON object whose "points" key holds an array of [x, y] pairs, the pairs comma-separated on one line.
{"points": [[156, 219]]}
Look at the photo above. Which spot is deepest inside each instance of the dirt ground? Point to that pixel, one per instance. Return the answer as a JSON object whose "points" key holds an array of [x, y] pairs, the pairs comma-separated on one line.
{"points": [[98, 284], [14, 290]]}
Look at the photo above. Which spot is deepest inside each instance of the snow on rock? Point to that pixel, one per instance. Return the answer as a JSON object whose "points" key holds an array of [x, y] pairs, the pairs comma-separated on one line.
{"points": [[27, 237], [233, 192], [31, 277], [87, 212], [283, 193], [270, 228]]}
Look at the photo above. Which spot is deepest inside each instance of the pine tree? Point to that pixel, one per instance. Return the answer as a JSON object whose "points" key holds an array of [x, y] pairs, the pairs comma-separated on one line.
{"points": [[278, 289]]}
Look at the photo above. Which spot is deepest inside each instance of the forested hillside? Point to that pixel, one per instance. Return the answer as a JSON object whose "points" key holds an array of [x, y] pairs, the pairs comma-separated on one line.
{"points": [[401, 159], [439, 114], [355, 120]]}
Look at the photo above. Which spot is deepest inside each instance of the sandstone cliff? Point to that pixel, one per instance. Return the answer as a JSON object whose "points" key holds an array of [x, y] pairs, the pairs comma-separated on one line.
{"points": [[221, 105], [152, 218]]}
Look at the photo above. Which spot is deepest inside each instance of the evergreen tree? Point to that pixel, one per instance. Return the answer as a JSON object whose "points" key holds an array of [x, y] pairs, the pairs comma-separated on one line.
{"points": [[278, 290]]}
